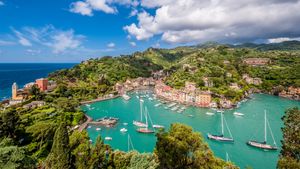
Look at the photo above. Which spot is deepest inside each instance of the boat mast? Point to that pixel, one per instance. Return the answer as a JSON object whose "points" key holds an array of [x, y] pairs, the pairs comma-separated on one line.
{"points": [[146, 114], [141, 109], [265, 126], [227, 157], [128, 143], [222, 124]]}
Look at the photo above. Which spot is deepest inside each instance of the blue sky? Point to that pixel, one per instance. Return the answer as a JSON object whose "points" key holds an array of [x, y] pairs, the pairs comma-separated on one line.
{"points": [[75, 30]]}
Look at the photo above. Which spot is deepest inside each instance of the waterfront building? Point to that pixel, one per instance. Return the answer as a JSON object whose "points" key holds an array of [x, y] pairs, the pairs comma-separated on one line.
{"points": [[203, 99], [42, 84], [291, 93], [188, 95], [16, 94]]}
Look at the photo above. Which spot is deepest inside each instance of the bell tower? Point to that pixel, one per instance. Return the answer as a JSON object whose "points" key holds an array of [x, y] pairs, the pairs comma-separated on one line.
{"points": [[14, 90]]}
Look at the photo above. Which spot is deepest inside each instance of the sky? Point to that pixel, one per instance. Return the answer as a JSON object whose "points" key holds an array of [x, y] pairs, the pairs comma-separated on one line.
{"points": [[75, 30]]}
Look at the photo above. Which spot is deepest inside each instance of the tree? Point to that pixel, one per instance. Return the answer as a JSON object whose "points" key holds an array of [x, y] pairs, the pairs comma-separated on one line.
{"points": [[98, 155], [290, 153], [181, 148], [59, 156], [13, 157], [35, 92], [9, 123]]}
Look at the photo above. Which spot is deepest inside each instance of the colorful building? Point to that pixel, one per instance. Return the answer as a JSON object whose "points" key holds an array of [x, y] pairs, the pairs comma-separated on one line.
{"points": [[16, 94], [42, 84], [189, 95]]}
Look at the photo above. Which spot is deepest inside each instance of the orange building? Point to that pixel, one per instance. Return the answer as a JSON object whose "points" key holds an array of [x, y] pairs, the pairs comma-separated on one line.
{"points": [[16, 94], [42, 84]]}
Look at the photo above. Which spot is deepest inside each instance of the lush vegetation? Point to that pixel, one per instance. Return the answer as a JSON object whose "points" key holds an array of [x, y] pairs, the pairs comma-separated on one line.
{"points": [[96, 77], [45, 136], [290, 153], [222, 65]]}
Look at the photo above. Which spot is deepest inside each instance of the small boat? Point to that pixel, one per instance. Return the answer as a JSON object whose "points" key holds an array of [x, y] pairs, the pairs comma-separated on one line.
{"points": [[125, 124], [191, 115], [89, 127], [180, 111], [156, 126], [158, 104], [150, 98], [220, 111], [137, 97], [221, 136], [126, 97], [91, 141], [108, 138], [171, 105], [210, 113], [238, 114], [98, 129], [175, 108], [123, 130], [263, 145]]}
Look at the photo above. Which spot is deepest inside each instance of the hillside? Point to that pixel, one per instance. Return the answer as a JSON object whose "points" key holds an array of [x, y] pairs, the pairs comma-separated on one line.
{"points": [[218, 65]]}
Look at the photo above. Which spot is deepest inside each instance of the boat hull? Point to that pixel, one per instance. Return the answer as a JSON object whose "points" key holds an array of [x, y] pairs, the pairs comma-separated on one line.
{"points": [[145, 131], [219, 138], [261, 145], [139, 124]]}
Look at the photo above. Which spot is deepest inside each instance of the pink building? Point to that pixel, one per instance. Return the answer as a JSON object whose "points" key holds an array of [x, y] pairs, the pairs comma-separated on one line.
{"points": [[42, 84]]}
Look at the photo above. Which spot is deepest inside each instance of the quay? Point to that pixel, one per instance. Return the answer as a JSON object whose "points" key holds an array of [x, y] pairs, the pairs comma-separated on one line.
{"points": [[107, 122]]}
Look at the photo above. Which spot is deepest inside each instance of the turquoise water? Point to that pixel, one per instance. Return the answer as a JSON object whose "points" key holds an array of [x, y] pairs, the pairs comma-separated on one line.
{"points": [[242, 128]]}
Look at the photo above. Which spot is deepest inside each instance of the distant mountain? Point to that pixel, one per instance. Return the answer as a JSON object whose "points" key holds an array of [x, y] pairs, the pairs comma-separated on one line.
{"points": [[287, 45]]}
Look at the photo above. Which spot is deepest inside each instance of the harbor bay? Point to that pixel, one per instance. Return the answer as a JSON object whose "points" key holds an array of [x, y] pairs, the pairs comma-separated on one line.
{"points": [[250, 126]]}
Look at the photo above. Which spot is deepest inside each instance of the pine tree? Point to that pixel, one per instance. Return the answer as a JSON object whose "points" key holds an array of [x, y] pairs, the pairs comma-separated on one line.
{"points": [[59, 156]]}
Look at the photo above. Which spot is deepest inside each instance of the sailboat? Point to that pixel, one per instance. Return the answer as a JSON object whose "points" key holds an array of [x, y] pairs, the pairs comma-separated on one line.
{"points": [[156, 126], [140, 123], [221, 137], [264, 145], [145, 129]]}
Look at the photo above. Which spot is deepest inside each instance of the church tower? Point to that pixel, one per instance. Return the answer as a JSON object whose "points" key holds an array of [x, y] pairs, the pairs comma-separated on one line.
{"points": [[14, 90]]}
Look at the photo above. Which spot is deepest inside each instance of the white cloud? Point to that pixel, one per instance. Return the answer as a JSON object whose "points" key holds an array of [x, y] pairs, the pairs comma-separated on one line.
{"points": [[1, 3], [282, 39], [57, 40], [182, 21], [111, 45], [139, 31], [133, 44], [133, 12], [82, 8], [21, 39], [6, 43], [86, 7], [63, 41]]}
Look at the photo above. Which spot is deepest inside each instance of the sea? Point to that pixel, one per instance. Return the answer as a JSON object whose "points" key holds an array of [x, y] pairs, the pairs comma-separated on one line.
{"points": [[23, 73], [243, 128]]}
